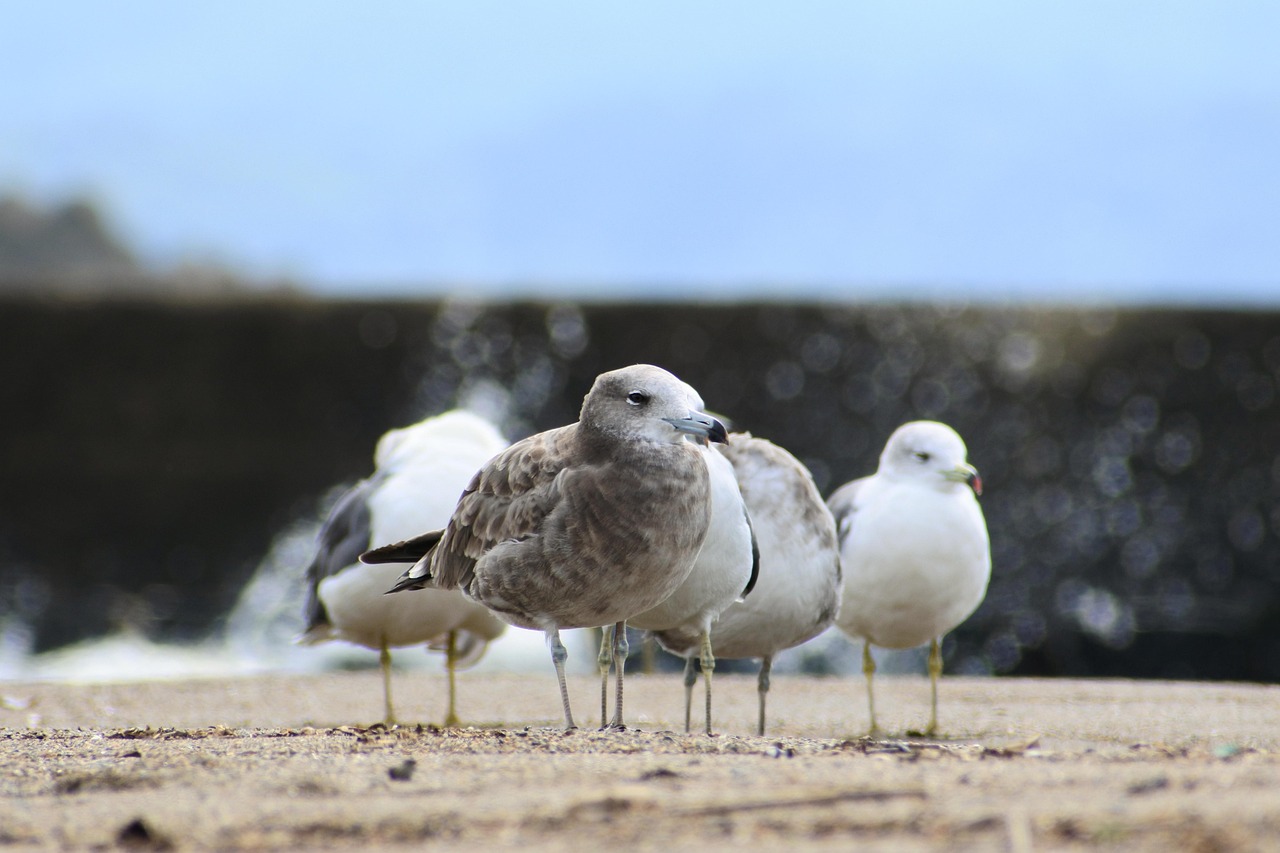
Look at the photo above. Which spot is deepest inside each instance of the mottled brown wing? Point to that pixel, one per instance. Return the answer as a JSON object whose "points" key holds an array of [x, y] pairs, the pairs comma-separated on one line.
{"points": [[507, 499]]}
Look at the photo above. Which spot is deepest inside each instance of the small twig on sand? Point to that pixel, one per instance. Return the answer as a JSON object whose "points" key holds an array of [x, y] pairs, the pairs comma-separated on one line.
{"points": [[803, 802]]}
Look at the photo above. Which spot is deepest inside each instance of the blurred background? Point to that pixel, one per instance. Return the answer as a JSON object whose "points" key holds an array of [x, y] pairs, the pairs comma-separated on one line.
{"points": [[238, 243]]}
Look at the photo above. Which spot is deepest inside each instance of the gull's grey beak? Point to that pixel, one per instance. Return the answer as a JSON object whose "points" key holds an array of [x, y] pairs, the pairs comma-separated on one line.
{"points": [[965, 473], [701, 426]]}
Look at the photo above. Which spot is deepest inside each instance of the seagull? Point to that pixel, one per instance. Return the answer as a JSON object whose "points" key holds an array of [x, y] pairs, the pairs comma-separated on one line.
{"points": [[581, 526], [914, 546], [797, 593], [420, 472], [724, 572]]}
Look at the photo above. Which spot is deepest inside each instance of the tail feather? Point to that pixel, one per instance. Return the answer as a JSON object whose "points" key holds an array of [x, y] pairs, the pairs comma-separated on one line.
{"points": [[415, 551], [407, 551]]}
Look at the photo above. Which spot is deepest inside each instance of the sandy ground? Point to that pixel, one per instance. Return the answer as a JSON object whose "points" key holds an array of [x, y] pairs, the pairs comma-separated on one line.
{"points": [[293, 762]]}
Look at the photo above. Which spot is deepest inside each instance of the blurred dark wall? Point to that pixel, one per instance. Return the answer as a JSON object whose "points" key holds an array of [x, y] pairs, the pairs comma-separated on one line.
{"points": [[151, 450]]}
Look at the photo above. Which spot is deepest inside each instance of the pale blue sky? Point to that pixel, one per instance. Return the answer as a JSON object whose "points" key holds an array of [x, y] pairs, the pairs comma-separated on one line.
{"points": [[1065, 150]]}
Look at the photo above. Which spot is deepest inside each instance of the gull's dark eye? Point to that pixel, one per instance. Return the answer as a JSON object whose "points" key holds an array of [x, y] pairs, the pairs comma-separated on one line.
{"points": [[637, 398], [922, 455]]}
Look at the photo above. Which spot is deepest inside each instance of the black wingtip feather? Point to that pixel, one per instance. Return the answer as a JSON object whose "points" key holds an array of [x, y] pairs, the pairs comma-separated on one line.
{"points": [[408, 551], [755, 555]]}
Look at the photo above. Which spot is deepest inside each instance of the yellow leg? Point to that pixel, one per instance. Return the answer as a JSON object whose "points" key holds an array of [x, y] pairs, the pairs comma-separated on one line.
{"points": [[384, 659], [451, 667], [690, 678], [869, 670], [935, 672]]}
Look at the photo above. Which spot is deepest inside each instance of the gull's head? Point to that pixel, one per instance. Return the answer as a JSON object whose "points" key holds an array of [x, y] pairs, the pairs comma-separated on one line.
{"points": [[929, 453], [696, 404], [647, 403], [432, 437]]}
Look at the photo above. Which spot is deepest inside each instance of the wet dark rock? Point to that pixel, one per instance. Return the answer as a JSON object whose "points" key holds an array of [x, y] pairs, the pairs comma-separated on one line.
{"points": [[1130, 457]]}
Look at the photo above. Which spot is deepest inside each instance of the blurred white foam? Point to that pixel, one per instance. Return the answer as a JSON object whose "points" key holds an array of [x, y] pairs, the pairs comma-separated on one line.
{"points": [[256, 637]]}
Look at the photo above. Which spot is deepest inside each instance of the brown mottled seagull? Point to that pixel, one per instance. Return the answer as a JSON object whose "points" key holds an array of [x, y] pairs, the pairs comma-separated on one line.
{"points": [[581, 526]]}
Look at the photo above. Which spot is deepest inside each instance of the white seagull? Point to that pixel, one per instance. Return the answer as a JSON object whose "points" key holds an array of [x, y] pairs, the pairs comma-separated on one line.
{"points": [[420, 472], [724, 572], [797, 591], [582, 526], [914, 546]]}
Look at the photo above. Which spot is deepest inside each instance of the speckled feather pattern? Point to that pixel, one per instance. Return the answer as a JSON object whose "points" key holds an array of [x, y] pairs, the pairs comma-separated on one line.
{"points": [[551, 535], [580, 526]]}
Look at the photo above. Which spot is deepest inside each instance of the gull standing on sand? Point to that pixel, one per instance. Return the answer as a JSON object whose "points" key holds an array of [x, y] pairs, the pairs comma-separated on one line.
{"points": [[581, 526], [797, 592], [420, 472], [915, 548], [724, 572]]}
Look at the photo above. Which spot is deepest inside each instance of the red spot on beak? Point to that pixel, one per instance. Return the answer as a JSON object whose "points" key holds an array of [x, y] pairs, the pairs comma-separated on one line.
{"points": [[975, 483]]}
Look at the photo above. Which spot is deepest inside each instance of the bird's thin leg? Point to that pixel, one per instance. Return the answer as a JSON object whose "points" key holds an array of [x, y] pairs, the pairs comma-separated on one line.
{"points": [[451, 667], [766, 666], [384, 659], [708, 667], [690, 678], [649, 655], [603, 660], [935, 672], [620, 650], [558, 656], [869, 670]]}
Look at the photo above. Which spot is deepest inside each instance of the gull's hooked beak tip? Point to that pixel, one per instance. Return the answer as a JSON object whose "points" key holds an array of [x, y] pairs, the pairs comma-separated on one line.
{"points": [[973, 479], [718, 433], [701, 427], [967, 474]]}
